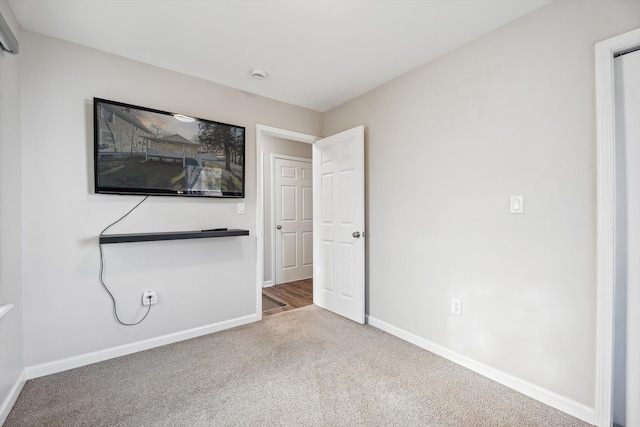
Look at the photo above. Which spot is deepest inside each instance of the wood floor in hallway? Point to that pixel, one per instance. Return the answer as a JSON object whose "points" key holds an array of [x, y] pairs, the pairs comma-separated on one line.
{"points": [[295, 294]]}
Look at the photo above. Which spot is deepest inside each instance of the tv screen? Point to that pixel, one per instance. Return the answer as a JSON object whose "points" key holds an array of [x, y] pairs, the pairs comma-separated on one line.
{"points": [[150, 152]]}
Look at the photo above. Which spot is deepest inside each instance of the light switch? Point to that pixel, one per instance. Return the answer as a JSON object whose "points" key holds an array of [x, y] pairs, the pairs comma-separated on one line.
{"points": [[241, 208], [517, 204]]}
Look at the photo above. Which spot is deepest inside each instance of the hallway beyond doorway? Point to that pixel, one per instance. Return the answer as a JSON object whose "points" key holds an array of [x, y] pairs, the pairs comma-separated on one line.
{"points": [[295, 294]]}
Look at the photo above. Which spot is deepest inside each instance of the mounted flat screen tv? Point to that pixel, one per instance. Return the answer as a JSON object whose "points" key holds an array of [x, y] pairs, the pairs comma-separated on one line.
{"points": [[143, 151]]}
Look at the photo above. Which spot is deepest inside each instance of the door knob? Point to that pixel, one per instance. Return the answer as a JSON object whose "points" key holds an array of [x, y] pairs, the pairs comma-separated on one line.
{"points": [[356, 234], [278, 227]]}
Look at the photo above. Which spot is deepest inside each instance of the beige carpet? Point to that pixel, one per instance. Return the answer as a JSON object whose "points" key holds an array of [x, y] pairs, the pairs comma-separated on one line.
{"points": [[305, 367]]}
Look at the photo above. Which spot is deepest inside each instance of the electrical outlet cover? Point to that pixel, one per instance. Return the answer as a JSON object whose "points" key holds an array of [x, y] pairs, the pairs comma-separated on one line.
{"points": [[149, 301], [456, 306]]}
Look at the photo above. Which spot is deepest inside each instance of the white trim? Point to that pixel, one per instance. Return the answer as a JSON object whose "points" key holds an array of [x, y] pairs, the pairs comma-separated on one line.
{"points": [[261, 132], [564, 404], [110, 353], [287, 157], [11, 398], [275, 156], [605, 119], [267, 283]]}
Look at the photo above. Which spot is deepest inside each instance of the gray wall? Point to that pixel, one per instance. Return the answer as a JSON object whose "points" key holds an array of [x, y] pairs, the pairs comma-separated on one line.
{"points": [[11, 333], [272, 145], [199, 282], [509, 114]]}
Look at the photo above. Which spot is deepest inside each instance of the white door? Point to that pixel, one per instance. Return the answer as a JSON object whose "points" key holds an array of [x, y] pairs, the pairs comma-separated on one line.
{"points": [[626, 410], [294, 220], [338, 224]]}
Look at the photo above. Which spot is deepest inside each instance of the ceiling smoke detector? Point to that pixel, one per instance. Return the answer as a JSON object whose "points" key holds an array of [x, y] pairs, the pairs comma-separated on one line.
{"points": [[258, 74]]}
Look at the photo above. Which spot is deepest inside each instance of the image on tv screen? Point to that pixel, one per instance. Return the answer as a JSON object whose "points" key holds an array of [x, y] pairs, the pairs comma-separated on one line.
{"points": [[144, 151]]}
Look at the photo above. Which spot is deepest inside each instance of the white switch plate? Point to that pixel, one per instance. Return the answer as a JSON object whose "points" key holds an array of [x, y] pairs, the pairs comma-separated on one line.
{"points": [[456, 306], [517, 204], [241, 208]]}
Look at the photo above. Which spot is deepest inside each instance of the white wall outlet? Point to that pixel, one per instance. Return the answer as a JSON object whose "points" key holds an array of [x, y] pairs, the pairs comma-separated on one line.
{"points": [[517, 204], [241, 208], [149, 298], [456, 306]]}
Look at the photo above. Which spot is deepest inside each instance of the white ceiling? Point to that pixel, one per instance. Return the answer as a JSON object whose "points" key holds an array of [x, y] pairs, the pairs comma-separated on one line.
{"points": [[318, 53]]}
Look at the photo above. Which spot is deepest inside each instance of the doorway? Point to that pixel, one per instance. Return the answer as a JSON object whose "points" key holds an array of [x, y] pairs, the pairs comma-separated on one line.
{"points": [[626, 368], [294, 288], [607, 255], [289, 228], [338, 218]]}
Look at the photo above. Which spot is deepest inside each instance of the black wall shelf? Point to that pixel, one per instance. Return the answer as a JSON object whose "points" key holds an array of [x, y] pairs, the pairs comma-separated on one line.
{"points": [[171, 235]]}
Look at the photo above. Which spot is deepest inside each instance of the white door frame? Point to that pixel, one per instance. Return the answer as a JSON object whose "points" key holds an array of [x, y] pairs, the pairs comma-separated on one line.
{"points": [[274, 242], [606, 172], [261, 132]]}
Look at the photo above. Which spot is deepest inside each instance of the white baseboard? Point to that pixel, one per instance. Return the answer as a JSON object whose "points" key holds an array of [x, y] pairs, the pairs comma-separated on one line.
{"points": [[110, 353], [564, 404], [11, 398]]}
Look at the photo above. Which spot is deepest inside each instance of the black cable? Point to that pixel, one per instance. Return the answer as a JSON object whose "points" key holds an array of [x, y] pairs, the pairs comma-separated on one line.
{"points": [[101, 276], [123, 216]]}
